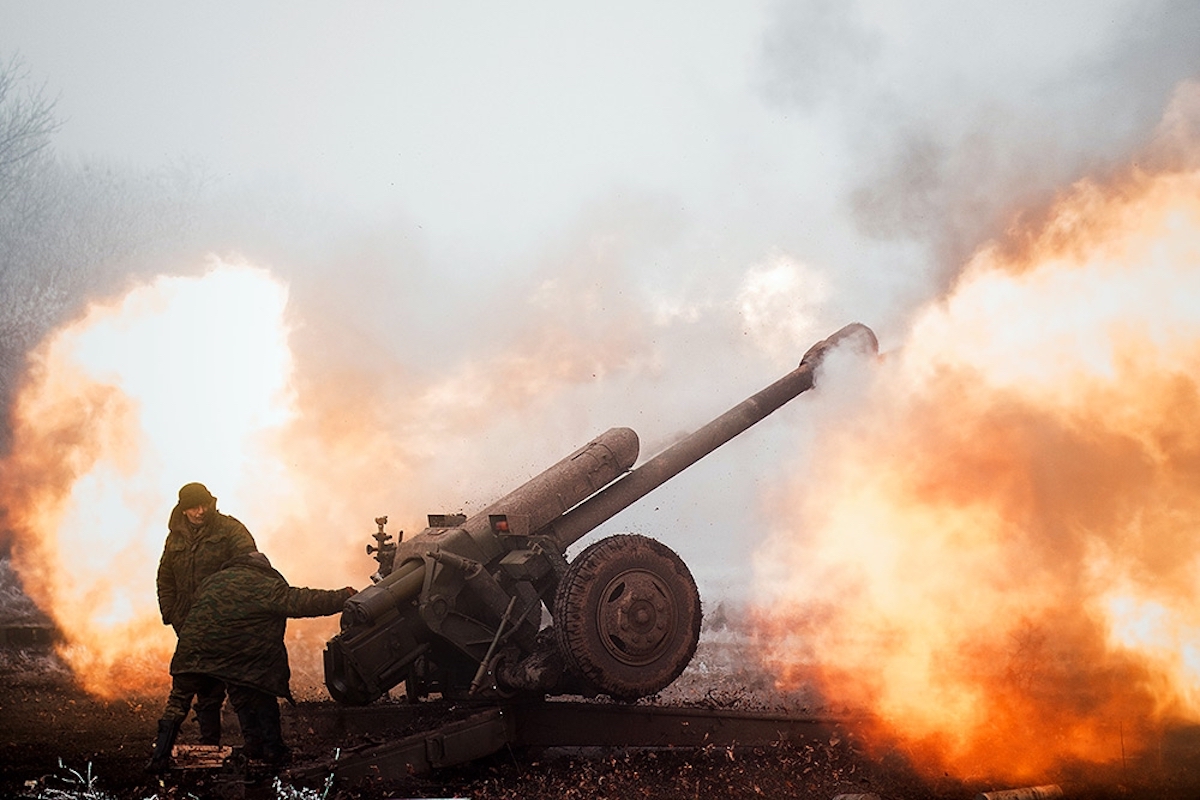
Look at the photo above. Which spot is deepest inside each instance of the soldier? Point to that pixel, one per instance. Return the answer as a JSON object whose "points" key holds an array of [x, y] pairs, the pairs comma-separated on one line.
{"points": [[199, 540], [234, 634]]}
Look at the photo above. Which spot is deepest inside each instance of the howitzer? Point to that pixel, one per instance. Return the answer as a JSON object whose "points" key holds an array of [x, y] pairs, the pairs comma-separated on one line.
{"points": [[458, 609]]}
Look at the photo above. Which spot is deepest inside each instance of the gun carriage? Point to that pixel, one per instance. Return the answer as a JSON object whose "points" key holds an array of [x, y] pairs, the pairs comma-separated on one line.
{"points": [[458, 609]]}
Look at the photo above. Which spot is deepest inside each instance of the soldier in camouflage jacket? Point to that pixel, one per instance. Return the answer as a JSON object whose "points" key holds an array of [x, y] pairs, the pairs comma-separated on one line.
{"points": [[234, 634], [199, 540]]}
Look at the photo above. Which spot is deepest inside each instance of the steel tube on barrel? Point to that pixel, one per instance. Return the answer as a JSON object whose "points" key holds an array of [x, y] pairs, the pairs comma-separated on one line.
{"points": [[637, 484]]}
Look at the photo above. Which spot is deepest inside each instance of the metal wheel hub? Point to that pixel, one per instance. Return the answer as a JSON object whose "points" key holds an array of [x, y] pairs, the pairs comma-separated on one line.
{"points": [[636, 617]]}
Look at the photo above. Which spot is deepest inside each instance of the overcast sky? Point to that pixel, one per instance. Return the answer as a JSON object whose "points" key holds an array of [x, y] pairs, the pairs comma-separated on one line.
{"points": [[473, 145], [491, 125]]}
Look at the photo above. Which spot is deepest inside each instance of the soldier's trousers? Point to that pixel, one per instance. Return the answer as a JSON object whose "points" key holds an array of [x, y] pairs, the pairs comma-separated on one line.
{"points": [[208, 693], [258, 715]]}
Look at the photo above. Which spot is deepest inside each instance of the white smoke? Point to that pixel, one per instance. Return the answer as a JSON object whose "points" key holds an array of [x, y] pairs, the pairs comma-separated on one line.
{"points": [[642, 217]]}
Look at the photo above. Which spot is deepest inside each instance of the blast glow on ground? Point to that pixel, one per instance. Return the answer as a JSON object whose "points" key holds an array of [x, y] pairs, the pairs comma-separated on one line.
{"points": [[998, 556], [186, 378]]}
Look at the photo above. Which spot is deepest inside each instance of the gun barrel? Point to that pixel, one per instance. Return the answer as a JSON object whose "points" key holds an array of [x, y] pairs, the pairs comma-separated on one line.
{"points": [[535, 503], [459, 591], [546, 496], [623, 493]]}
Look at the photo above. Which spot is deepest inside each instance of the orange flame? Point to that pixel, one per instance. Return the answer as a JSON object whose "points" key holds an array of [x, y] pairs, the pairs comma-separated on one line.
{"points": [[180, 380], [999, 552], [196, 379]]}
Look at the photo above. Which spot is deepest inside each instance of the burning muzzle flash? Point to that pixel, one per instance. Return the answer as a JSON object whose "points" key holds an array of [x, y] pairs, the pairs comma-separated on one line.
{"points": [[997, 558], [179, 380]]}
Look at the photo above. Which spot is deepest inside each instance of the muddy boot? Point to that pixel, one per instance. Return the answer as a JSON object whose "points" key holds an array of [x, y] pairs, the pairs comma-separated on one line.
{"points": [[252, 739], [252, 743], [209, 699], [160, 762], [209, 720]]}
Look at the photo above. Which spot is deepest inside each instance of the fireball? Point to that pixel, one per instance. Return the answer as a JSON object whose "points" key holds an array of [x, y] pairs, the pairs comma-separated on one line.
{"points": [[184, 378], [996, 555]]}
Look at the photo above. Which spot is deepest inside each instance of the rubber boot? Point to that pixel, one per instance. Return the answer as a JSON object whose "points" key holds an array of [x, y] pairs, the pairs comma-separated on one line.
{"points": [[209, 719], [252, 739], [160, 761], [208, 712], [275, 752]]}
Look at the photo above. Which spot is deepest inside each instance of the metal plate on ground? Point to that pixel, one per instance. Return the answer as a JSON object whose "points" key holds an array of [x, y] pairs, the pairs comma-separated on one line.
{"points": [[200, 756]]}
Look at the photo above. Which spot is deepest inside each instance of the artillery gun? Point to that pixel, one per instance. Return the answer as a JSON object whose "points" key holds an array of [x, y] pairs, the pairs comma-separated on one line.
{"points": [[457, 609]]}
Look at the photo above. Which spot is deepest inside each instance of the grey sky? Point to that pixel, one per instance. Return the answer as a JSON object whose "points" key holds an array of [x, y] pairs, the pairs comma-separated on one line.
{"points": [[489, 125], [479, 120], [452, 148]]}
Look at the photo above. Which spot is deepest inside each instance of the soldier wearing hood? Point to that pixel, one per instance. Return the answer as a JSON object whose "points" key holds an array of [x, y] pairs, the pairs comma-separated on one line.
{"points": [[234, 634], [199, 540]]}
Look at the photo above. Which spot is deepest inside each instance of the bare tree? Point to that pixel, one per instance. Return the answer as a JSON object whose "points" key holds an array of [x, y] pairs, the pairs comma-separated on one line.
{"points": [[71, 230], [27, 123]]}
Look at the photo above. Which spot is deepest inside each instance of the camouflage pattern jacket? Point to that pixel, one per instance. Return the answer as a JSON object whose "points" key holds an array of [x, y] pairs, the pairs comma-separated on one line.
{"points": [[235, 629], [189, 557]]}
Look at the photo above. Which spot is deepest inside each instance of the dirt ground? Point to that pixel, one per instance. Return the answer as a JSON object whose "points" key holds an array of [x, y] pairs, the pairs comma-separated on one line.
{"points": [[57, 742]]}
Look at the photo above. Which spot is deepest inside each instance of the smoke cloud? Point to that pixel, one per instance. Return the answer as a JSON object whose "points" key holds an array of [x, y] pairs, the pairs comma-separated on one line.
{"points": [[479, 281]]}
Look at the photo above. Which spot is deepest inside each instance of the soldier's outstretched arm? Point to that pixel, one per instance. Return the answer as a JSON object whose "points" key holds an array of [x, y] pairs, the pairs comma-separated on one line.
{"points": [[299, 601]]}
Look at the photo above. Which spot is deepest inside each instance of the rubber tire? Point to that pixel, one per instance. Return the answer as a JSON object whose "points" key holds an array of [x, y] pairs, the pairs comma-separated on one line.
{"points": [[608, 610]]}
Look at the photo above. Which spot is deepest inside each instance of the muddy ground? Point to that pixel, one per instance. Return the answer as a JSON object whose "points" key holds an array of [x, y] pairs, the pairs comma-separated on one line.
{"points": [[57, 742]]}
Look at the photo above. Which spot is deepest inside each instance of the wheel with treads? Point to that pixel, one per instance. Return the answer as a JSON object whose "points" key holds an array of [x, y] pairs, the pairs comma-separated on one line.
{"points": [[627, 614]]}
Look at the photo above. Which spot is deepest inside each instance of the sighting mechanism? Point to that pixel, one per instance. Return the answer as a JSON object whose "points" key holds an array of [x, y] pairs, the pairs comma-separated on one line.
{"points": [[384, 549]]}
